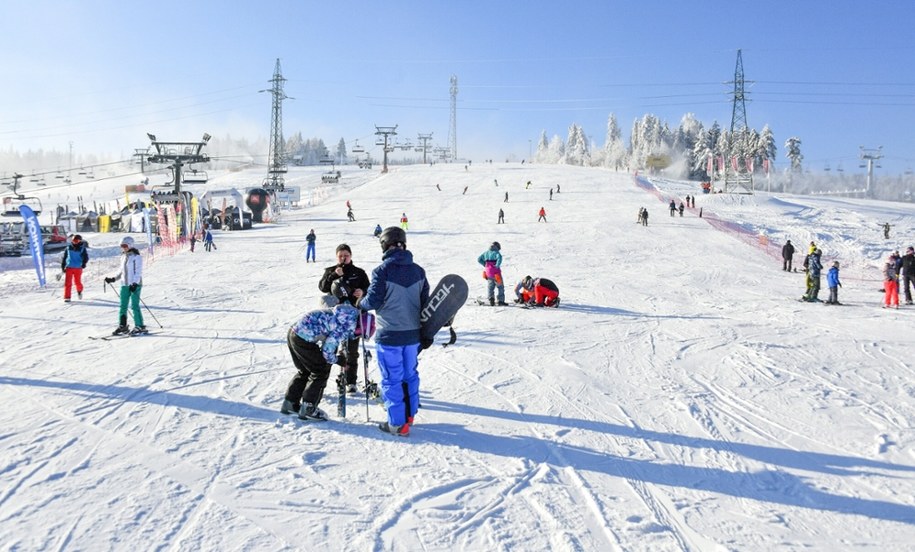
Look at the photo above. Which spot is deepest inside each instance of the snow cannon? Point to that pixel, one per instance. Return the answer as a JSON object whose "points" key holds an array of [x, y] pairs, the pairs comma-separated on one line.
{"points": [[257, 200]]}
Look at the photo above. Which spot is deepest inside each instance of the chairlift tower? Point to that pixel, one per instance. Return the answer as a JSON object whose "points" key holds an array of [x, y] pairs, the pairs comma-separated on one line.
{"points": [[385, 132], [425, 139], [452, 129], [276, 162], [739, 126], [869, 156], [178, 154]]}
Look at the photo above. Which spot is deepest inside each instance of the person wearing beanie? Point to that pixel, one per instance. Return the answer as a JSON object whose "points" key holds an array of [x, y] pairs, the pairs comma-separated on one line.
{"points": [[491, 260], [74, 260], [348, 283], [131, 277]]}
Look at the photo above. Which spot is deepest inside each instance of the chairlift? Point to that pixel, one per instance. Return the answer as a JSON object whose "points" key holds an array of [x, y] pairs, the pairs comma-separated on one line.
{"points": [[357, 148], [908, 172], [11, 205], [82, 172], [195, 176]]}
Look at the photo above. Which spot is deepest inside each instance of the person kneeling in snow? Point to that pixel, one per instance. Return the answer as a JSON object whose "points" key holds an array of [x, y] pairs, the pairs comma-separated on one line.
{"points": [[538, 292], [313, 343]]}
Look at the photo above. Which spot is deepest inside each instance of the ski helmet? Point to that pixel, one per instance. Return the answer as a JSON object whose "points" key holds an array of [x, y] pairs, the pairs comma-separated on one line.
{"points": [[495, 246], [128, 241], [339, 290], [393, 235], [527, 282]]}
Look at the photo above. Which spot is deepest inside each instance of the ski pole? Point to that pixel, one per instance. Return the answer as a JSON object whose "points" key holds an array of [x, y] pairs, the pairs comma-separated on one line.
{"points": [[365, 363], [150, 311], [142, 301]]}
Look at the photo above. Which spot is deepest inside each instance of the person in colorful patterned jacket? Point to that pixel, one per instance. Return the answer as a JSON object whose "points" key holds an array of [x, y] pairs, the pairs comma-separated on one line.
{"points": [[313, 343], [491, 259], [72, 264]]}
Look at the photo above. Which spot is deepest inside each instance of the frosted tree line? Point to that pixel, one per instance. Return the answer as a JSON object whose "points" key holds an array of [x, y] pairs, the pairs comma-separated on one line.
{"points": [[689, 151]]}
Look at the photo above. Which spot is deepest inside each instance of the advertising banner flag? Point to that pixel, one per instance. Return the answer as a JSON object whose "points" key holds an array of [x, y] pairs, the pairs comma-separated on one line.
{"points": [[35, 244]]}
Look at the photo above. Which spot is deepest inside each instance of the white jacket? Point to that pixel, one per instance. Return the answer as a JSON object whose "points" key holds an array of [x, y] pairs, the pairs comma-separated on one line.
{"points": [[132, 268]]}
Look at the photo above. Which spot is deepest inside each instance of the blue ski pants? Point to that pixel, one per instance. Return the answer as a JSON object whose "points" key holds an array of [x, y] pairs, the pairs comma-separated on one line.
{"points": [[399, 380]]}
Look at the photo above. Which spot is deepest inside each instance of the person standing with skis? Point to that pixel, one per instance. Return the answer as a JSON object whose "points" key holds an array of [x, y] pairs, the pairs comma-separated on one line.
{"points": [[398, 291], [542, 215], [348, 283], [131, 277], [74, 260]]}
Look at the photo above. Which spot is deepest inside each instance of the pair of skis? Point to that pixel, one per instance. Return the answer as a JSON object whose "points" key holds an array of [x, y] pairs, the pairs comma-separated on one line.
{"points": [[371, 388]]}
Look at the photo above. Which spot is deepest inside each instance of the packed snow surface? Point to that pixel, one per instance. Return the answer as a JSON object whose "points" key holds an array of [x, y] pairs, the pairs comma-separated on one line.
{"points": [[681, 397]]}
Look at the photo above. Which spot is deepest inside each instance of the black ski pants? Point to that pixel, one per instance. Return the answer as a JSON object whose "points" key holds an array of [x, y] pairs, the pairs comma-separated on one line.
{"points": [[351, 361], [307, 386], [908, 279], [786, 264]]}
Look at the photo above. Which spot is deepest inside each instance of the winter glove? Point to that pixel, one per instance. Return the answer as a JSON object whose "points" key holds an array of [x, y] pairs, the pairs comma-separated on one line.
{"points": [[840, 284], [84, 265], [341, 360], [110, 280], [132, 288], [425, 343]]}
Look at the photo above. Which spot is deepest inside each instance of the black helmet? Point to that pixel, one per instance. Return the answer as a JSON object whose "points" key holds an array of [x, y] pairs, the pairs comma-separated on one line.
{"points": [[527, 282], [339, 290], [496, 246], [392, 235]]}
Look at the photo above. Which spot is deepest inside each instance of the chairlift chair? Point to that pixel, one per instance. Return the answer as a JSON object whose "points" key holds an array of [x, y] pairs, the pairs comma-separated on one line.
{"points": [[11, 205], [195, 176]]}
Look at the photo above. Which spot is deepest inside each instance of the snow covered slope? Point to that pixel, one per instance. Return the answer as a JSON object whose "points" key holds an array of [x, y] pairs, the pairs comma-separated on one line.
{"points": [[680, 399]]}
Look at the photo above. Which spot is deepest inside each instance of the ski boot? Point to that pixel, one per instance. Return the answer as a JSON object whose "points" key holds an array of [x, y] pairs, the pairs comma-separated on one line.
{"points": [[309, 411], [122, 329], [289, 407], [400, 431], [139, 330]]}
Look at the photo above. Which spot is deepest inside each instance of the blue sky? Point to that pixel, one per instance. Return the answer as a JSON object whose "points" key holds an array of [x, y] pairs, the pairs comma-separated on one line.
{"points": [[835, 74]]}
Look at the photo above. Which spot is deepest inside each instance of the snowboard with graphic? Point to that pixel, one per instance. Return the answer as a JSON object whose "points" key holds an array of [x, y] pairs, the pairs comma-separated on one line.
{"points": [[445, 300]]}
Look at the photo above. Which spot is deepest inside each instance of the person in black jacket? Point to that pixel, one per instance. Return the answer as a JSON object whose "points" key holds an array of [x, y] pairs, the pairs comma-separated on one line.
{"points": [[348, 283], [908, 273], [787, 255]]}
